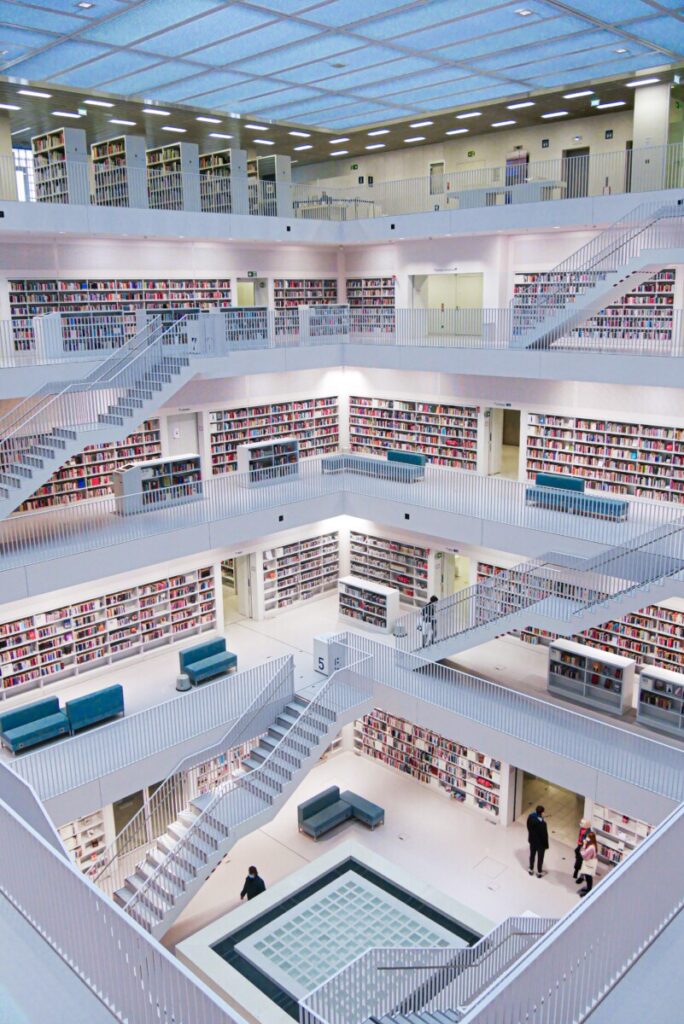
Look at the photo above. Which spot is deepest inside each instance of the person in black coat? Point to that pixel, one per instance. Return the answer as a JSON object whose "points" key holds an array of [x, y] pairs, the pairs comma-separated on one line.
{"points": [[538, 838], [254, 884]]}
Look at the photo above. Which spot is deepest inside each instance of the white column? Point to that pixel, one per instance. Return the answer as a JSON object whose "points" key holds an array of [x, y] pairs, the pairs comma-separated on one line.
{"points": [[650, 130], [8, 178]]}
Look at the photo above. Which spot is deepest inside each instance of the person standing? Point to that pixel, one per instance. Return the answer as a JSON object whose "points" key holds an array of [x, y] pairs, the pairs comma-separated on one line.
{"points": [[589, 854], [538, 838], [254, 885], [584, 826], [429, 621]]}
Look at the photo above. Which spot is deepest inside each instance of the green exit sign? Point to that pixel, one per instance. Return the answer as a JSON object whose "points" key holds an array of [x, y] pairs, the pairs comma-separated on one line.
{"points": [[251, 273], [354, 167]]}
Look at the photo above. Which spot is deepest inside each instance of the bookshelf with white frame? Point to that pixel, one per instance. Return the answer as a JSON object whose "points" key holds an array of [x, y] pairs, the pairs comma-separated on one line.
{"points": [[371, 302], [660, 703], [446, 434], [591, 677], [119, 171], [291, 293], [173, 181], [144, 486], [299, 571], [408, 568], [87, 839], [60, 166], [617, 834], [223, 181], [262, 462], [371, 605]]}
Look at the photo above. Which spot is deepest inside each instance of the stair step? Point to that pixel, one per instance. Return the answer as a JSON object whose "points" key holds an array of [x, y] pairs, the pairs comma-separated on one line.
{"points": [[9, 480], [32, 460], [18, 469], [42, 451], [104, 418], [4, 492], [206, 828], [64, 432], [199, 843], [120, 410], [162, 884], [179, 874], [185, 858]]}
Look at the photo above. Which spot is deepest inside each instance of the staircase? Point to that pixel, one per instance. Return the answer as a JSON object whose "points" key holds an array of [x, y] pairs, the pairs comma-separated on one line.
{"points": [[56, 422], [561, 594], [421, 1017], [600, 273], [193, 846]]}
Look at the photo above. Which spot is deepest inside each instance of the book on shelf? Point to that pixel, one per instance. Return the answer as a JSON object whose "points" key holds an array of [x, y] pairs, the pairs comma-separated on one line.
{"points": [[299, 571], [405, 567], [446, 434], [370, 604], [595, 678]]}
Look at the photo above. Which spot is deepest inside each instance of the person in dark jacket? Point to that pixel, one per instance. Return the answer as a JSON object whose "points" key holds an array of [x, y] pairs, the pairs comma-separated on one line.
{"points": [[428, 617], [584, 826], [538, 838], [254, 884]]}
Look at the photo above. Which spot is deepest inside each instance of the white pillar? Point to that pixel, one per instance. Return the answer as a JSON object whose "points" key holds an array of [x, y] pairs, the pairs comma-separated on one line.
{"points": [[650, 130], [8, 177]]}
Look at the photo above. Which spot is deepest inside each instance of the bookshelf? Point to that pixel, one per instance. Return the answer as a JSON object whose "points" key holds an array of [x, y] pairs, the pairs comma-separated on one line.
{"points": [[228, 578], [246, 324], [467, 775], [123, 297], [226, 766], [616, 833], [300, 571], [173, 181], [144, 486], [291, 293], [89, 474], [661, 700], [405, 567], [41, 648], [86, 842], [265, 461], [60, 166], [445, 434], [371, 302], [313, 421], [587, 676], [223, 181], [119, 171], [369, 604], [640, 459]]}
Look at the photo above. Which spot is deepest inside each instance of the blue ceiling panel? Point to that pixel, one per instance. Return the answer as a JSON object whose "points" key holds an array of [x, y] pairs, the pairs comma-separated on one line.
{"points": [[225, 25], [459, 97], [153, 79], [491, 32], [25, 37], [46, 65], [443, 76], [321, 47], [614, 14], [667, 32], [424, 17], [32, 17], [342, 124], [103, 70], [557, 47], [352, 13], [153, 16], [381, 72], [526, 37], [288, 7], [280, 34], [202, 82], [276, 95], [99, 9]]}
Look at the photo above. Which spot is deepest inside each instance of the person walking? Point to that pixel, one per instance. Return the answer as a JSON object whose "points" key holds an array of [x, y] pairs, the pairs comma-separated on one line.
{"points": [[254, 885], [538, 838], [584, 826], [428, 617], [589, 854]]}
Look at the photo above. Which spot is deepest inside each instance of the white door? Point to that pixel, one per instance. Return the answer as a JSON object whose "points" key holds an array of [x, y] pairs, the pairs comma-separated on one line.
{"points": [[494, 425], [183, 434]]}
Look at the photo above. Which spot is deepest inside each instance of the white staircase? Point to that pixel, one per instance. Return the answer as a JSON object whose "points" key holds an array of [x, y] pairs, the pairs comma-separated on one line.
{"points": [[56, 422], [205, 830]]}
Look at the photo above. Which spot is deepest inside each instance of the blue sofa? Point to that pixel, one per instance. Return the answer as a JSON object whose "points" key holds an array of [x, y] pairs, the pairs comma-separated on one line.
{"points": [[323, 812], [566, 494], [407, 458], [368, 465], [207, 660], [33, 724], [95, 707]]}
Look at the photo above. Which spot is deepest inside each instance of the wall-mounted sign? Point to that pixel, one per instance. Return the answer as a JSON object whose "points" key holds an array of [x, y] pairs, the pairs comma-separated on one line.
{"points": [[608, 133], [545, 143], [471, 152], [252, 273], [354, 167]]}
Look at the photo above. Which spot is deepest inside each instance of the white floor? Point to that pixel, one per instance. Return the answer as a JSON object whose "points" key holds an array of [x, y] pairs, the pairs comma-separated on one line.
{"points": [[454, 848]]}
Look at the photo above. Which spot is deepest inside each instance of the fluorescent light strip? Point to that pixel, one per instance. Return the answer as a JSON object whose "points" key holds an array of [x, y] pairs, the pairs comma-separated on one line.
{"points": [[519, 106], [334, 142], [340, 152], [577, 95], [502, 124], [13, 106], [32, 92], [376, 145], [257, 127], [98, 103], [474, 113], [157, 111], [420, 124], [64, 113], [263, 142], [176, 131], [20, 131], [608, 106], [641, 81], [417, 138], [116, 120], [209, 120], [219, 135], [300, 135], [556, 113], [458, 131], [300, 149], [379, 131]]}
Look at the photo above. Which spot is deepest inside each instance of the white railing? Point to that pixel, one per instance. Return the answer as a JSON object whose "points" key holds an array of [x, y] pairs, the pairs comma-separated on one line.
{"points": [[135, 978], [92, 755], [22, 798], [386, 980]]}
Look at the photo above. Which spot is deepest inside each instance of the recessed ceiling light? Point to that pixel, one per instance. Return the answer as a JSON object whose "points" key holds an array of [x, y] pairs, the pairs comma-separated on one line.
{"points": [[157, 111], [257, 127], [420, 124], [20, 131], [340, 152], [524, 12], [171, 128], [263, 142], [334, 142], [622, 49], [519, 106], [300, 149], [607, 106], [457, 131], [32, 92], [300, 135], [84, 5], [380, 131], [209, 120], [63, 113], [576, 95], [502, 124], [97, 103], [116, 120], [219, 135], [416, 138], [556, 113], [641, 81], [12, 106], [474, 113]]}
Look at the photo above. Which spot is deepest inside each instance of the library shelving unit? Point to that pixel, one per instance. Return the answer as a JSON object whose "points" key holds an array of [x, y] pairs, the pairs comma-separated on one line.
{"points": [[445, 434], [299, 571], [246, 324], [228, 573], [86, 842], [223, 767], [638, 459], [661, 700], [265, 461], [89, 474], [159, 483], [313, 421], [60, 166], [371, 605], [173, 176], [406, 567], [591, 677], [371, 302], [291, 293], [616, 833], [124, 297], [41, 648], [119, 171], [223, 181], [467, 775]]}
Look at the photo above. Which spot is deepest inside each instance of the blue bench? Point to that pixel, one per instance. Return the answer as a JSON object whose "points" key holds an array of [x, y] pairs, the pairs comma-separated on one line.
{"points": [[207, 660], [407, 458], [95, 707], [368, 465], [323, 812], [33, 724], [566, 494]]}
